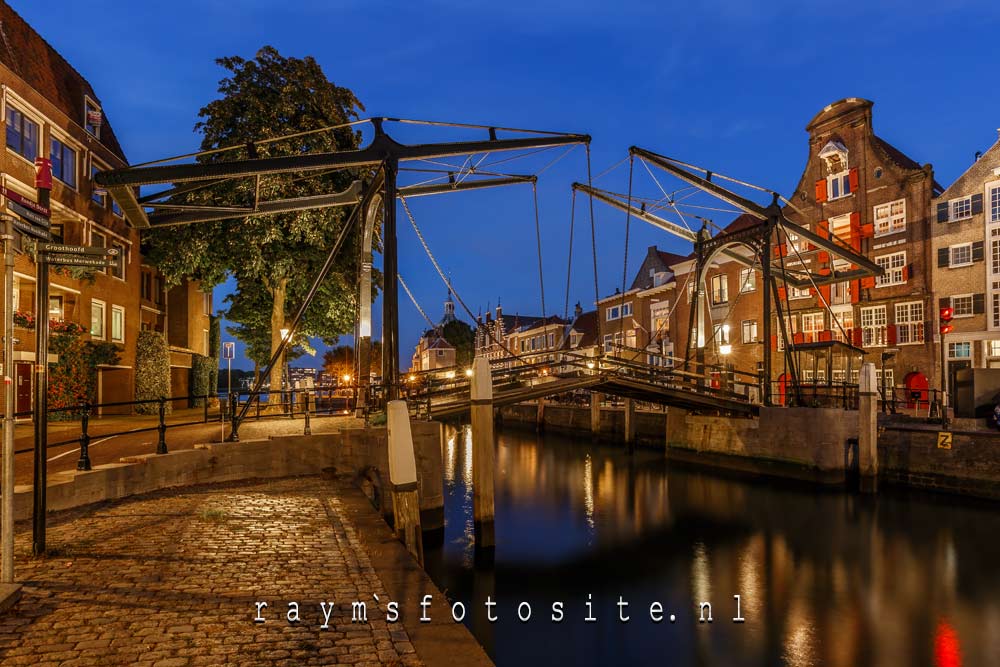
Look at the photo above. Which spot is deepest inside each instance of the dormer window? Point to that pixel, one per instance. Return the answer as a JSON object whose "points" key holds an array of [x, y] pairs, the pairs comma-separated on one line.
{"points": [[840, 180], [93, 118]]}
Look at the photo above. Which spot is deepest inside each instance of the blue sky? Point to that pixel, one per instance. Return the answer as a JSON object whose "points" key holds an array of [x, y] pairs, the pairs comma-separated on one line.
{"points": [[725, 84]]}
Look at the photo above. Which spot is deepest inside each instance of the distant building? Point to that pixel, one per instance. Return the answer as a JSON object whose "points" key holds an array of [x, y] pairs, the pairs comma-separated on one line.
{"points": [[433, 352]]}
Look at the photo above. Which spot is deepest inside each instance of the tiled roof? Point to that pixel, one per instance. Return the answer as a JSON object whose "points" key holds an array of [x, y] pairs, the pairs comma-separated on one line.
{"points": [[670, 257], [895, 154], [33, 59], [586, 324]]}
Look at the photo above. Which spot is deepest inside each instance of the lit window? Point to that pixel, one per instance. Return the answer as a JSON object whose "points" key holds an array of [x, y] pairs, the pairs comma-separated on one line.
{"points": [[910, 322], [840, 226], [721, 334], [798, 292], [748, 280], [97, 319], [845, 319], [720, 289], [873, 326], [961, 255], [960, 209], [890, 218], [749, 331], [994, 201], [993, 348], [812, 323], [791, 325], [960, 350], [893, 265], [118, 324], [962, 305], [55, 307], [22, 134], [97, 193], [63, 163]]}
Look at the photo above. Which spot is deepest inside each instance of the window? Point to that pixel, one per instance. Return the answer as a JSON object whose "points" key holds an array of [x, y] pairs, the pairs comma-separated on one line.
{"points": [[888, 378], [749, 331], [959, 209], [116, 209], [63, 163], [97, 193], [894, 265], [793, 245], [910, 323], [873, 326], [55, 307], [93, 118], [608, 344], [992, 348], [97, 319], [812, 324], [146, 286], [962, 304], [845, 318], [748, 280], [118, 324], [838, 185], [159, 290], [840, 226], [960, 350], [890, 218], [118, 270], [660, 317], [993, 199], [207, 302], [996, 310], [798, 293], [721, 334], [960, 255], [995, 257], [618, 312], [690, 289], [22, 134], [627, 309], [720, 289], [791, 325]]}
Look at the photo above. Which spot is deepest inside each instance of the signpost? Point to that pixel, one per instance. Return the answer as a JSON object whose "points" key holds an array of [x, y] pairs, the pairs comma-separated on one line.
{"points": [[229, 353], [7, 476]]}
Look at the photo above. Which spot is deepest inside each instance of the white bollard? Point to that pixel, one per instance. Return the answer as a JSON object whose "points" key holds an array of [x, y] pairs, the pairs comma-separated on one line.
{"points": [[483, 453], [403, 478]]}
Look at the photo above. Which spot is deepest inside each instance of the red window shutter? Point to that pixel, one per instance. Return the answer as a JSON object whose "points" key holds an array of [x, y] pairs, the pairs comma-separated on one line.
{"points": [[906, 273], [868, 283], [856, 222], [782, 294], [824, 291], [867, 231], [890, 334], [853, 177], [823, 257], [855, 291], [821, 190], [826, 335], [774, 342], [823, 228], [798, 337], [856, 336]]}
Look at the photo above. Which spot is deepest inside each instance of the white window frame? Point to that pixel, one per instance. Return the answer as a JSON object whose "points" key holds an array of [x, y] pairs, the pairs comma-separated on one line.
{"points": [[843, 180], [721, 334], [752, 326], [906, 321], [35, 119], [104, 316], [893, 263], [991, 202], [873, 326], [845, 318], [720, 287], [960, 208], [956, 249], [798, 292], [954, 301], [953, 345], [811, 318], [76, 160], [748, 280], [888, 221], [118, 309], [88, 103], [840, 226]]}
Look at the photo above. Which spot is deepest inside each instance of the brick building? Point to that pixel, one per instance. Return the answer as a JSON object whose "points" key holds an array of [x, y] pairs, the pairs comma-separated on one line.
{"points": [[868, 194], [51, 111], [966, 247]]}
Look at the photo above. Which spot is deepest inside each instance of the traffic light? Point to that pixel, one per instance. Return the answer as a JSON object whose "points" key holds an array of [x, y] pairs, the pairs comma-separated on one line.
{"points": [[946, 315]]}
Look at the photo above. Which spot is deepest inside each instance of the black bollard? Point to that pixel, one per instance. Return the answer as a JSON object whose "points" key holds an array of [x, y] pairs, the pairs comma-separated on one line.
{"points": [[161, 446], [234, 402], [308, 430], [84, 462]]}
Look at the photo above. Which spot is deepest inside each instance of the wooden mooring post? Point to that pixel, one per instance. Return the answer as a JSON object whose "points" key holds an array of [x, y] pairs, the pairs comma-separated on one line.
{"points": [[596, 398], [483, 452], [403, 479], [630, 425], [868, 428]]}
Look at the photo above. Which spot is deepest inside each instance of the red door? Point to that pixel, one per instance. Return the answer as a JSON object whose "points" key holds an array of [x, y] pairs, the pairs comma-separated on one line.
{"points": [[22, 393]]}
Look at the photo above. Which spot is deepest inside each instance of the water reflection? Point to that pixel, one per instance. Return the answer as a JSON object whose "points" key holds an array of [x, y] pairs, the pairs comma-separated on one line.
{"points": [[824, 578]]}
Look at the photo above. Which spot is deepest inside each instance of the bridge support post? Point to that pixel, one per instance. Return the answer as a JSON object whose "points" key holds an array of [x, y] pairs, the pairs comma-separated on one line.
{"points": [[483, 453], [629, 425], [403, 479], [868, 428], [596, 398]]}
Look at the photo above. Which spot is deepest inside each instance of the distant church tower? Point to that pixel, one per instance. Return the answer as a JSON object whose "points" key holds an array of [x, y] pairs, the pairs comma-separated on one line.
{"points": [[449, 311]]}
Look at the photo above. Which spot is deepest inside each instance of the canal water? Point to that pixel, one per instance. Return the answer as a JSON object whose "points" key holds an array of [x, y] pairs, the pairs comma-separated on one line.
{"points": [[824, 577]]}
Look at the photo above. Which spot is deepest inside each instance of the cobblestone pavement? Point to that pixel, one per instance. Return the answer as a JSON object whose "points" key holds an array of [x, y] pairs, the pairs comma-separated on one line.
{"points": [[171, 579]]}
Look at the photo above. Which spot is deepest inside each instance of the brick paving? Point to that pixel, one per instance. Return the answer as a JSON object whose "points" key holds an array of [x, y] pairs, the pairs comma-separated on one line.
{"points": [[170, 580]]}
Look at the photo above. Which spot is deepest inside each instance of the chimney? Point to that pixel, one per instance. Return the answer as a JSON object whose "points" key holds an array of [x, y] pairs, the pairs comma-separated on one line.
{"points": [[979, 154], [578, 311]]}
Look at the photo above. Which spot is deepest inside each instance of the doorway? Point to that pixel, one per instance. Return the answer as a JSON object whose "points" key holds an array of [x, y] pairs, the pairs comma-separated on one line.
{"points": [[954, 366], [22, 392]]}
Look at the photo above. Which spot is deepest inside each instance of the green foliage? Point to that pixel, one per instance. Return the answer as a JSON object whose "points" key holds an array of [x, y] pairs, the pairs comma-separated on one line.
{"points": [[73, 379], [152, 371], [270, 256], [461, 336], [201, 377], [214, 350], [339, 361]]}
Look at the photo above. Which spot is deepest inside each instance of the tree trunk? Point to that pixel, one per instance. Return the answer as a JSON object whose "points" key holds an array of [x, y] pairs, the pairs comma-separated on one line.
{"points": [[278, 291]]}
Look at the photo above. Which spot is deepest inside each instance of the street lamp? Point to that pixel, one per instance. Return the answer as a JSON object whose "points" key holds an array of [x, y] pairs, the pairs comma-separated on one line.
{"points": [[468, 372]]}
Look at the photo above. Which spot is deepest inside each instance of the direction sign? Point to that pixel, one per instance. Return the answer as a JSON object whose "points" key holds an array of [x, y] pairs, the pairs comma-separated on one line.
{"points": [[28, 228], [229, 350], [29, 215], [62, 248], [43, 211], [78, 260]]}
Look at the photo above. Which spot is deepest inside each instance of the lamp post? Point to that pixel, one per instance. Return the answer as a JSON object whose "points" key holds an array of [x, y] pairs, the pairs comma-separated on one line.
{"points": [[285, 380], [725, 349]]}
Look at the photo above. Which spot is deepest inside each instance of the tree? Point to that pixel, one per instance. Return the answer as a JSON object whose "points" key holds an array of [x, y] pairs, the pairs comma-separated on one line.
{"points": [[463, 339], [339, 361], [274, 257], [152, 371]]}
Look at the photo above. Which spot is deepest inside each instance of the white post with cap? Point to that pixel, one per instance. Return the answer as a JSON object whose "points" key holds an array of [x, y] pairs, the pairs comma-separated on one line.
{"points": [[403, 478], [868, 428], [483, 452]]}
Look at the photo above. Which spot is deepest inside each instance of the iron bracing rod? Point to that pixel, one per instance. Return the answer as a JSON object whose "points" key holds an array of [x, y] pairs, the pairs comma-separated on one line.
{"points": [[293, 327], [349, 197], [868, 267], [645, 216]]}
